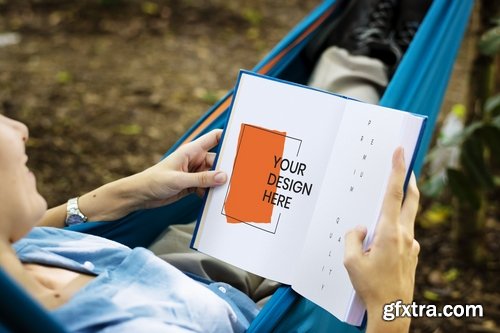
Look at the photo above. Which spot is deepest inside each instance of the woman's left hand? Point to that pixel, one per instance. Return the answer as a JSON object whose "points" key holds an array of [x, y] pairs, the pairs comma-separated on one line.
{"points": [[185, 171]]}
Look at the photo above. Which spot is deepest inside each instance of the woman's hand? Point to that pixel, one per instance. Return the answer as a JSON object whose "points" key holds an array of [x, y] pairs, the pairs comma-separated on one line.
{"points": [[185, 171], [386, 272]]}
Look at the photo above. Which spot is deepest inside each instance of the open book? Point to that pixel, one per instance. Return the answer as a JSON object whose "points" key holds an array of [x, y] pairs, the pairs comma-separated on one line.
{"points": [[304, 167]]}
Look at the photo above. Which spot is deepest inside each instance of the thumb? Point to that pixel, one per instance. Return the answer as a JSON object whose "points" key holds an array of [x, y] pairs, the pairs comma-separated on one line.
{"points": [[202, 179], [354, 245]]}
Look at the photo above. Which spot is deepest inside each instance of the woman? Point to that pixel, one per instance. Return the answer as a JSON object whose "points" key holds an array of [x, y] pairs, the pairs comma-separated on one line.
{"points": [[90, 283]]}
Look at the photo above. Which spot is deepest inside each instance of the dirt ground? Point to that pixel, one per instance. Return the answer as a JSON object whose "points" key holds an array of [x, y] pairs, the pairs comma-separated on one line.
{"points": [[106, 87]]}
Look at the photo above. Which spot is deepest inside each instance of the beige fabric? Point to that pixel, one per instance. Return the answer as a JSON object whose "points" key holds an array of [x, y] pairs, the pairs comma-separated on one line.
{"points": [[358, 77], [173, 247]]}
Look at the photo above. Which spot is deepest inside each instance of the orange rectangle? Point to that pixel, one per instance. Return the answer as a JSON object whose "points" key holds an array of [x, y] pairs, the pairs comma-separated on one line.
{"points": [[258, 149]]}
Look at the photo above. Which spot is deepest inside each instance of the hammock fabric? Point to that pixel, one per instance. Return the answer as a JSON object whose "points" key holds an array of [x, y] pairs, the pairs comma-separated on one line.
{"points": [[417, 86]]}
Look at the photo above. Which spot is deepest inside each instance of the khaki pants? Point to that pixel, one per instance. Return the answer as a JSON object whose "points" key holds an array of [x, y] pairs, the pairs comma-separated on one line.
{"points": [[358, 77]]}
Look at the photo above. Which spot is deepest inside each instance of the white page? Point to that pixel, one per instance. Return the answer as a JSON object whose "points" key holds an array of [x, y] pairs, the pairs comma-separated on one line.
{"points": [[410, 133], [305, 114], [352, 194]]}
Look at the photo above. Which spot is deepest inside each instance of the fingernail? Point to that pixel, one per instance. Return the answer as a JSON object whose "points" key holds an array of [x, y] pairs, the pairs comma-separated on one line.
{"points": [[361, 228], [220, 177]]}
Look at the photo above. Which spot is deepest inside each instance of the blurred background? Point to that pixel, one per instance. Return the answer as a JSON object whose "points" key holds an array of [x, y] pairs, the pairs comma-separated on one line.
{"points": [[107, 86]]}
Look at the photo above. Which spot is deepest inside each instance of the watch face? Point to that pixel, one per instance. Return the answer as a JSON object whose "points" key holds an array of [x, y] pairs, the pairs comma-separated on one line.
{"points": [[74, 219]]}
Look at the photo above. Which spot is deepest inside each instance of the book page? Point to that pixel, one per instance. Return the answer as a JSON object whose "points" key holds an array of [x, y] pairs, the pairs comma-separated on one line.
{"points": [[274, 150], [352, 194]]}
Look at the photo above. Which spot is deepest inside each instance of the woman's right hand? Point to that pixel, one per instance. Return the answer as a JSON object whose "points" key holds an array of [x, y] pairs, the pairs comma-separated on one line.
{"points": [[386, 272]]}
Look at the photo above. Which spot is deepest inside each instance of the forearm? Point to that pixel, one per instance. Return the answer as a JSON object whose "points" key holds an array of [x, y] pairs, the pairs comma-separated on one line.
{"points": [[186, 170], [106, 203]]}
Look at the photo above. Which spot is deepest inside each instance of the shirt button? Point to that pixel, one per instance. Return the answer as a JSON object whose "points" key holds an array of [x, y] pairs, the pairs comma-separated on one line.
{"points": [[222, 289], [88, 265]]}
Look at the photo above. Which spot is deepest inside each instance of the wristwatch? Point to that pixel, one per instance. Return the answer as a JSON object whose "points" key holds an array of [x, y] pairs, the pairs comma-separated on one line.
{"points": [[73, 214]]}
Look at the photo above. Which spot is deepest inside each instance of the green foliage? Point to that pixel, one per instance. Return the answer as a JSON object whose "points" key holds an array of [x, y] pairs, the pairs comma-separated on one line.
{"points": [[451, 275], [492, 106], [253, 16], [63, 77], [207, 96], [149, 8], [489, 44], [129, 129], [468, 160], [431, 295], [446, 152], [479, 145], [438, 214]]}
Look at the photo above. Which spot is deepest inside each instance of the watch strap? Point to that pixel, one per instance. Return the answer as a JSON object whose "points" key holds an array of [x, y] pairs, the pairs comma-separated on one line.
{"points": [[73, 214]]}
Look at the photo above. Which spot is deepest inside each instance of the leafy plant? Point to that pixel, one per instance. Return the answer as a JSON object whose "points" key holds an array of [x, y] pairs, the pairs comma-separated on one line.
{"points": [[469, 172], [489, 43], [479, 153]]}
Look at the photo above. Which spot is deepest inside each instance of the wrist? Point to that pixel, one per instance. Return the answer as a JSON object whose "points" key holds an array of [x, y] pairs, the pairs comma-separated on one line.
{"points": [[108, 202]]}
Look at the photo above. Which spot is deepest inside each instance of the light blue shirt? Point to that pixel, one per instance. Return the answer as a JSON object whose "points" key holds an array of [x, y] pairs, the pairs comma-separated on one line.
{"points": [[134, 291]]}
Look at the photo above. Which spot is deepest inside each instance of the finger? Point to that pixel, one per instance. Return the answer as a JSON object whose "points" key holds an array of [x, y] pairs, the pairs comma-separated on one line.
{"points": [[354, 245], [393, 198], [209, 140], [209, 160], [201, 179], [415, 248], [410, 205], [200, 192]]}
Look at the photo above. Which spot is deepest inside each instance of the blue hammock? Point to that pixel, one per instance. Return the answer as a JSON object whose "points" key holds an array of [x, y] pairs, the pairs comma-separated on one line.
{"points": [[418, 86]]}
